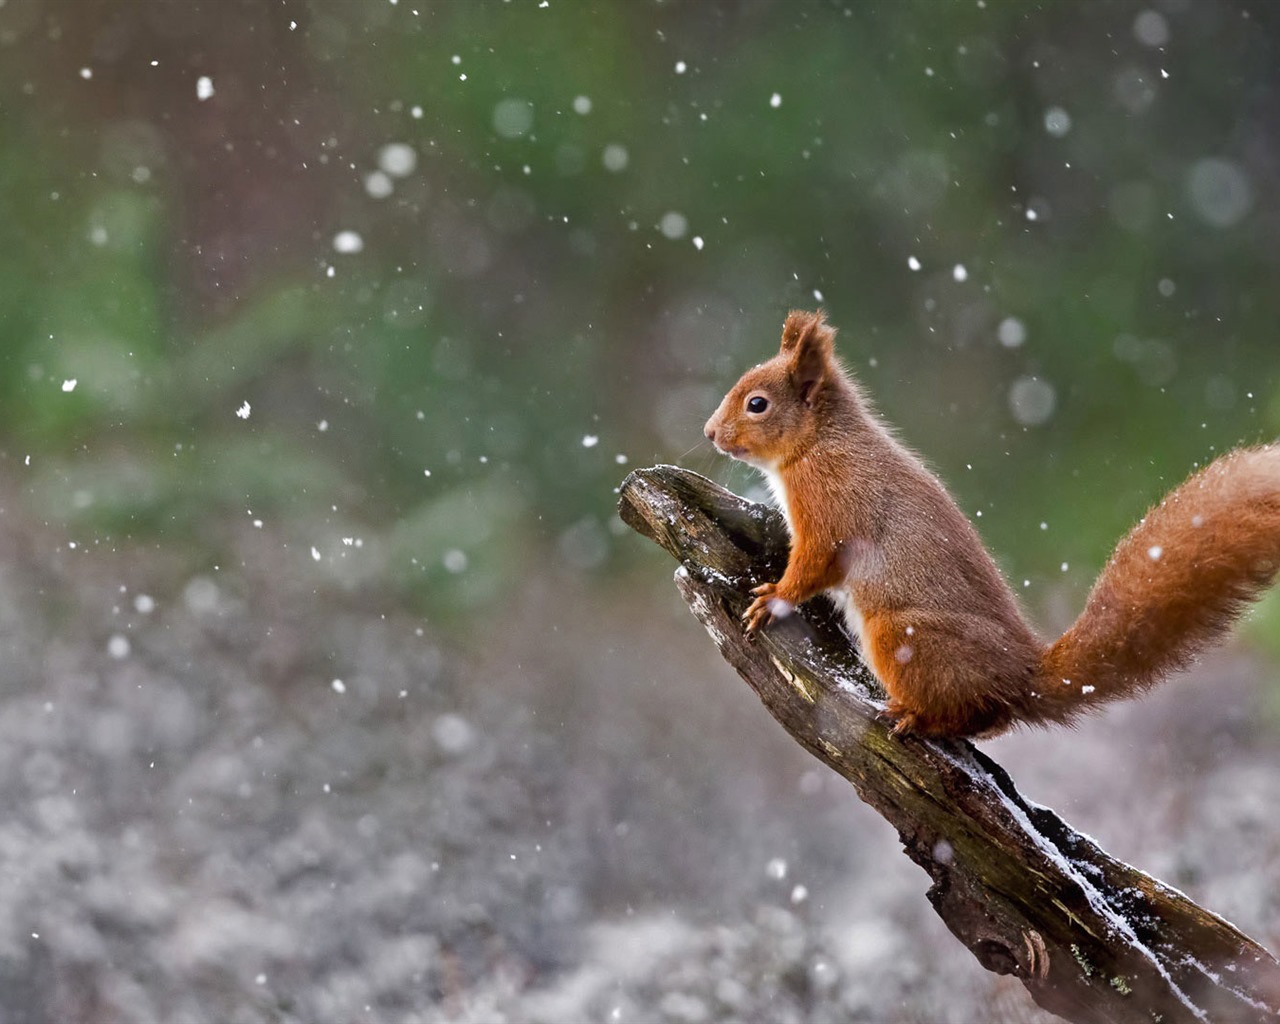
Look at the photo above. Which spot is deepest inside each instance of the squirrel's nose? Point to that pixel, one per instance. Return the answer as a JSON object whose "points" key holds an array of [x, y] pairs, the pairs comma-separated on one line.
{"points": [[710, 431]]}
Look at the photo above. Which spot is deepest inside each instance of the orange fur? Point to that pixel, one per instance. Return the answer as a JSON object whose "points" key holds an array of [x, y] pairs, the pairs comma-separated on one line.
{"points": [[937, 623], [1173, 586]]}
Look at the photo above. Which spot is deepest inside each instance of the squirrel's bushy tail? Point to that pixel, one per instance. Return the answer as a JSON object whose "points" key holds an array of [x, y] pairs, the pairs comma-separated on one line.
{"points": [[1174, 585]]}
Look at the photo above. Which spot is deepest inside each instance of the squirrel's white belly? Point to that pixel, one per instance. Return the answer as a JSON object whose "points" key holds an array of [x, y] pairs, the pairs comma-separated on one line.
{"points": [[779, 491], [842, 598]]}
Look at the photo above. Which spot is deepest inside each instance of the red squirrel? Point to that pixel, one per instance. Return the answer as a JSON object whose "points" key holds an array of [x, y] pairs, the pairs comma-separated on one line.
{"points": [[936, 622]]}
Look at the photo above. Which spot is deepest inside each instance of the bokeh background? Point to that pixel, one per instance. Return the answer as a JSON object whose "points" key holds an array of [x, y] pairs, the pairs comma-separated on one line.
{"points": [[334, 690]]}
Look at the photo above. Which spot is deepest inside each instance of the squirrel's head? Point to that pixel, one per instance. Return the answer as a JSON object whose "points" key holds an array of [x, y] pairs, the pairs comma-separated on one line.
{"points": [[773, 409]]}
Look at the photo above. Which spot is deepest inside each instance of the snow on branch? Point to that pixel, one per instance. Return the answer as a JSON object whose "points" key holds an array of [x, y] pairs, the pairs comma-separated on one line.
{"points": [[1093, 939]]}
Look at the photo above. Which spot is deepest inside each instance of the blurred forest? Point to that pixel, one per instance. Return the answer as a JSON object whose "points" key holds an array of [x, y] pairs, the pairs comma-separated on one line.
{"points": [[335, 690]]}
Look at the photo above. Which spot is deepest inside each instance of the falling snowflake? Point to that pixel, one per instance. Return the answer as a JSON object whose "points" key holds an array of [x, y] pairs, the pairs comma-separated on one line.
{"points": [[348, 242]]}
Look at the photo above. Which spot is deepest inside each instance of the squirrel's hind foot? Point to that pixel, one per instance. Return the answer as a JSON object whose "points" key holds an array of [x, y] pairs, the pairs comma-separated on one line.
{"points": [[902, 721]]}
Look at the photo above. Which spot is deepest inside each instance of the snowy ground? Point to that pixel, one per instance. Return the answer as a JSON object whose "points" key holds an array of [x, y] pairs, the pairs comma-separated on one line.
{"points": [[577, 813]]}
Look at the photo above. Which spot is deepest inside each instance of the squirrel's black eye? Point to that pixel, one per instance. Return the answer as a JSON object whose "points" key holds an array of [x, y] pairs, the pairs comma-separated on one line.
{"points": [[757, 404]]}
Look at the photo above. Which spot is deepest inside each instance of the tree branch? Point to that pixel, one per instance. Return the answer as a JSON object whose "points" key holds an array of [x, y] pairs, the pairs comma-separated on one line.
{"points": [[1093, 939]]}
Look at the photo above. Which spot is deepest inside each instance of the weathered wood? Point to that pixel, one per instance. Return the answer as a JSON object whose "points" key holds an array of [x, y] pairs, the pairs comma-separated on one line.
{"points": [[1092, 938]]}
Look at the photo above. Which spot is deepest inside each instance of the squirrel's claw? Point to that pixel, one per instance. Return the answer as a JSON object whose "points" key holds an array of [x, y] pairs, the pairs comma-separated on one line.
{"points": [[902, 722], [759, 613]]}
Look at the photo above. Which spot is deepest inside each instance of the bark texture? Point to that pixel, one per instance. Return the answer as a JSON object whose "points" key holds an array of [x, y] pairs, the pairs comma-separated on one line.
{"points": [[1093, 939]]}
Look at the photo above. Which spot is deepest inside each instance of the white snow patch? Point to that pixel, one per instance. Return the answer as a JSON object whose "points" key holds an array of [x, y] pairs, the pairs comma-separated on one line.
{"points": [[615, 157], [204, 88], [512, 117], [1012, 332], [1032, 401], [453, 734], [397, 159], [1151, 29], [1057, 122], [348, 243], [69, 385], [673, 224], [779, 608], [378, 185], [1220, 190], [1073, 871], [243, 411], [201, 595]]}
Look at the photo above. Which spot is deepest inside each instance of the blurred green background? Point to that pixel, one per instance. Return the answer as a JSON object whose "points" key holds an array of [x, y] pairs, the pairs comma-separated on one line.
{"points": [[468, 238], [328, 329]]}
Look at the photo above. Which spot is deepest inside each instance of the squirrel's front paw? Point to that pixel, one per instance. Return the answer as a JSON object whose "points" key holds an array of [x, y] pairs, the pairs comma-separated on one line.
{"points": [[766, 607]]}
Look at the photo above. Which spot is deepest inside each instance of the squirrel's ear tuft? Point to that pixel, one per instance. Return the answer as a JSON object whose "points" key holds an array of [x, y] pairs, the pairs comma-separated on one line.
{"points": [[810, 342], [808, 330]]}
